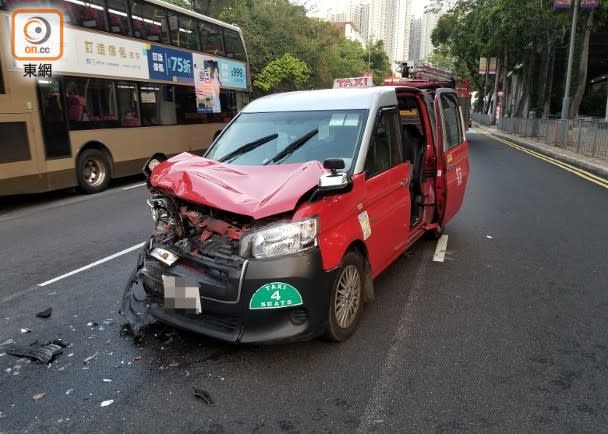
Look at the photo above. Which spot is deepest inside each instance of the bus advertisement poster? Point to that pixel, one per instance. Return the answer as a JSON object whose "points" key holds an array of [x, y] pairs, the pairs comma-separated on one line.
{"points": [[169, 64], [207, 82]]}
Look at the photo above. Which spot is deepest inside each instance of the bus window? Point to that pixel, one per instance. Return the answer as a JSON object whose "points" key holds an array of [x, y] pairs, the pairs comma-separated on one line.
{"points": [[212, 41], [157, 104], [89, 14], [52, 116], [183, 31], [127, 104], [234, 47], [91, 103], [119, 20], [149, 22]]}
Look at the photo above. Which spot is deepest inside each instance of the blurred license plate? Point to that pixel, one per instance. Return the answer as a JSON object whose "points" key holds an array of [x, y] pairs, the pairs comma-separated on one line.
{"points": [[182, 294]]}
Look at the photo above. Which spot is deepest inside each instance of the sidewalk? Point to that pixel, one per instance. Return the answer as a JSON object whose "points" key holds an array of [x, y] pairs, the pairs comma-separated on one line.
{"points": [[597, 166]]}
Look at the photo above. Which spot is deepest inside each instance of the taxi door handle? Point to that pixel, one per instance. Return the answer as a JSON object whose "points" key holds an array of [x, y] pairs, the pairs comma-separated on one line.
{"points": [[405, 182]]}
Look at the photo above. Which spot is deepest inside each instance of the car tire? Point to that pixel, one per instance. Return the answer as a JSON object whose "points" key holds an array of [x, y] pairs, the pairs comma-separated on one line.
{"points": [[346, 301], [93, 171]]}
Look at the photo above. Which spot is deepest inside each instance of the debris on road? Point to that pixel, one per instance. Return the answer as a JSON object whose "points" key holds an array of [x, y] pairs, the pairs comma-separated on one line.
{"points": [[37, 396], [92, 324], [88, 359], [69, 391], [137, 358], [489, 237], [26, 331], [107, 380], [203, 395], [46, 313], [106, 403], [44, 353]]}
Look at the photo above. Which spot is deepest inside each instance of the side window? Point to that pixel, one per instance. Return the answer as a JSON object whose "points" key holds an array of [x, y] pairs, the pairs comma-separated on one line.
{"points": [[385, 148], [90, 14], [128, 104], [157, 104], [183, 31], [212, 40], [91, 103], [452, 134], [149, 22], [234, 47], [119, 20]]}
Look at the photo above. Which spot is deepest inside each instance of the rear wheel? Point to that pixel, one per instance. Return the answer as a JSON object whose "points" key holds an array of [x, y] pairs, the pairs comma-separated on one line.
{"points": [[93, 171], [346, 303]]}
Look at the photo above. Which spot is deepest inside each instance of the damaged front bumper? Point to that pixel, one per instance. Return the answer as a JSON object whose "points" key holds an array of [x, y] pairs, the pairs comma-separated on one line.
{"points": [[256, 300]]}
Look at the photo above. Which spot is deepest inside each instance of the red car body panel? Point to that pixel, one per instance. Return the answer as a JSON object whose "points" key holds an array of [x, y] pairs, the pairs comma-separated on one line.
{"points": [[256, 191]]}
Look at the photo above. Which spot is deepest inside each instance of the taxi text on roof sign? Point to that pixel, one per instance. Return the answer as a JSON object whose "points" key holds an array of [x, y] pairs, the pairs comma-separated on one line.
{"points": [[353, 82]]}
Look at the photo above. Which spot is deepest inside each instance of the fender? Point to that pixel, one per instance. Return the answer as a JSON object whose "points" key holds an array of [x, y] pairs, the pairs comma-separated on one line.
{"points": [[338, 223]]}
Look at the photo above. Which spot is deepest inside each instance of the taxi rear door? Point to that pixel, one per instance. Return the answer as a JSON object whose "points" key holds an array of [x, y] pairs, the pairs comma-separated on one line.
{"points": [[452, 154]]}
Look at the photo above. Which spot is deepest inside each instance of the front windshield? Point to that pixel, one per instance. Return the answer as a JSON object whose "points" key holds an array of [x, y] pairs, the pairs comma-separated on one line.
{"points": [[326, 134]]}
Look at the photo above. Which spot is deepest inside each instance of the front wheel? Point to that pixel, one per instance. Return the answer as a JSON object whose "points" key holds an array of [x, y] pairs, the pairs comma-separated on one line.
{"points": [[346, 303], [93, 171]]}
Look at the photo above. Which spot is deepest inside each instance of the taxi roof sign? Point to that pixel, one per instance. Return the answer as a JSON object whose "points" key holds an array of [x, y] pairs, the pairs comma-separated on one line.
{"points": [[353, 82]]}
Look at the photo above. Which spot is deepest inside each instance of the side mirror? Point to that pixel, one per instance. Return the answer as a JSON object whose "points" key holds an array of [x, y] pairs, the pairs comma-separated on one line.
{"points": [[152, 163], [334, 164], [334, 180]]}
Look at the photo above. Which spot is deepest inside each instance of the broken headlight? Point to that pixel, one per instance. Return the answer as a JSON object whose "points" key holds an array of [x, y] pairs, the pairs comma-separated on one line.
{"points": [[281, 239], [161, 214]]}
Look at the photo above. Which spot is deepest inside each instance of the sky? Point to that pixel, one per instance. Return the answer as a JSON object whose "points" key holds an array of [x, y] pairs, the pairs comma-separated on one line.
{"points": [[320, 7]]}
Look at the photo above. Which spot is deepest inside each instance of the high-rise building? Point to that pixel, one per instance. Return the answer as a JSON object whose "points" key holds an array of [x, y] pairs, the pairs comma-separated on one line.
{"points": [[390, 22], [415, 39], [359, 16], [429, 22]]}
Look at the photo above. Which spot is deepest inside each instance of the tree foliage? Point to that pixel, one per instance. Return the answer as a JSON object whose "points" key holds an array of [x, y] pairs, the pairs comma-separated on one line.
{"points": [[526, 36], [273, 28], [283, 74]]}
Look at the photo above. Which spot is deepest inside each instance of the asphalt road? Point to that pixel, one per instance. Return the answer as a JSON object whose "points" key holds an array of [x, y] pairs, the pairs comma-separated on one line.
{"points": [[507, 335]]}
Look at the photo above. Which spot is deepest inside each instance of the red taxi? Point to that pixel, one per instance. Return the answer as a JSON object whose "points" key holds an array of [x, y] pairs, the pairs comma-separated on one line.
{"points": [[277, 233]]}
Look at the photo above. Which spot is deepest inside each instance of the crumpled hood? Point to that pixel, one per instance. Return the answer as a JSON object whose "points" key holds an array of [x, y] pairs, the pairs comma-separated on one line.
{"points": [[256, 191]]}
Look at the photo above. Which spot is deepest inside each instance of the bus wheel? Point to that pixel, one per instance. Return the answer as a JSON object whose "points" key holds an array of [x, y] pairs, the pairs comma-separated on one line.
{"points": [[346, 303], [93, 171]]}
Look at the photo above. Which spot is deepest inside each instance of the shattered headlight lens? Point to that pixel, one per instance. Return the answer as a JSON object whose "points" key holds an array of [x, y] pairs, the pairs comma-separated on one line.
{"points": [[279, 240], [161, 214]]}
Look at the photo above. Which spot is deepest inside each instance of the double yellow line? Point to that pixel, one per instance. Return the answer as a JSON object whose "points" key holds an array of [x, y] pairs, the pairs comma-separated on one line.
{"points": [[602, 182]]}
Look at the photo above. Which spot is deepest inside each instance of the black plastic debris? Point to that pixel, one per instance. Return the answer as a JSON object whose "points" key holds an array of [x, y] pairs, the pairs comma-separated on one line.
{"points": [[134, 305], [46, 313], [45, 353], [203, 395]]}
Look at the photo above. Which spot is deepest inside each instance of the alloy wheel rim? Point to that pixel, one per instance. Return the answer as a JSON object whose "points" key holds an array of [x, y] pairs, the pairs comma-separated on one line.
{"points": [[348, 295], [94, 172]]}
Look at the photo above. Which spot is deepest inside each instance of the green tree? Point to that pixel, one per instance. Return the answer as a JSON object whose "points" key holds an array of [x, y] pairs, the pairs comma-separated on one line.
{"points": [[283, 74], [378, 61]]}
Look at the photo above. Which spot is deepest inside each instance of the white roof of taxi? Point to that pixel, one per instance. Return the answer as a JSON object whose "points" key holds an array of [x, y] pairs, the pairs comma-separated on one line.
{"points": [[324, 99]]}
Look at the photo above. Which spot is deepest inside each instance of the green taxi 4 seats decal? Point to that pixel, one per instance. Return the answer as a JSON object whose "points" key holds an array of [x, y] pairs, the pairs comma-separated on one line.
{"points": [[275, 295]]}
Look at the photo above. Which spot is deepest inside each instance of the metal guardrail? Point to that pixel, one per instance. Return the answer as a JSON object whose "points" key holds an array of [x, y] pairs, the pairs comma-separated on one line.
{"points": [[585, 137]]}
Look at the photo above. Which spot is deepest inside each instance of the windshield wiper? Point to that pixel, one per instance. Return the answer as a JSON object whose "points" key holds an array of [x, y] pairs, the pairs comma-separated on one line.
{"points": [[292, 147], [247, 147]]}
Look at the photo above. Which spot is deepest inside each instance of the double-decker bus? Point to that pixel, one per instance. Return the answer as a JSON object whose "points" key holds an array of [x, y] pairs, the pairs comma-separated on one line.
{"points": [[137, 77]]}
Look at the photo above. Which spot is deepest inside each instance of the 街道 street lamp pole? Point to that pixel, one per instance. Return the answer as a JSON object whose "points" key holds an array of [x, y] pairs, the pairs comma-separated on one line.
{"points": [[566, 101]]}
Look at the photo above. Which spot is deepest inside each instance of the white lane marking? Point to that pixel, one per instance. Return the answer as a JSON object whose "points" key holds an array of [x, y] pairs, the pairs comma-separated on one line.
{"points": [[93, 264], [395, 364], [134, 186], [442, 245]]}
